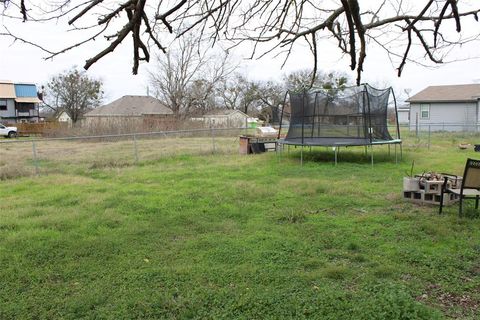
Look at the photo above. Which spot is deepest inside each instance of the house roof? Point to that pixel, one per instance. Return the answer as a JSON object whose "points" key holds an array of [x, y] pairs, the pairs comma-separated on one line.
{"points": [[46, 113], [21, 92], [25, 90], [49, 113], [224, 112], [131, 106], [459, 93], [7, 90]]}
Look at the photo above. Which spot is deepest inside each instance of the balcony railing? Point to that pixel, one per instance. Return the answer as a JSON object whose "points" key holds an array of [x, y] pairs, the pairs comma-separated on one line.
{"points": [[29, 113]]}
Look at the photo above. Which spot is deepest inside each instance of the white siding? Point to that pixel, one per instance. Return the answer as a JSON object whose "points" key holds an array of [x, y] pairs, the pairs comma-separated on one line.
{"points": [[10, 112], [452, 116], [232, 120], [64, 117], [403, 116]]}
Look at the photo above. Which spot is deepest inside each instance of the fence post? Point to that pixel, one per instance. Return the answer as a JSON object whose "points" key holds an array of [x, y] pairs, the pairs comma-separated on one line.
{"points": [[213, 139], [135, 148], [428, 147], [35, 162], [416, 126]]}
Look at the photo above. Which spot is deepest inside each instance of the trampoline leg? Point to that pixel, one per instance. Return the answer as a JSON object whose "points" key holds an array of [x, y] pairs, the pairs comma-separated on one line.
{"points": [[365, 150], [371, 154], [301, 157], [389, 150], [396, 160], [336, 154]]}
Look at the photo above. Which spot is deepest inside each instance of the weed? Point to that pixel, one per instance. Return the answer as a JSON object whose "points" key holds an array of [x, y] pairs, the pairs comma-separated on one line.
{"points": [[352, 246], [336, 272], [384, 271], [292, 216]]}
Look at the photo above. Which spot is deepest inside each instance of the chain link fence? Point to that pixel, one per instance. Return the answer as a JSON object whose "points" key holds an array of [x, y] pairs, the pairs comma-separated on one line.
{"points": [[429, 134], [34, 156], [28, 156]]}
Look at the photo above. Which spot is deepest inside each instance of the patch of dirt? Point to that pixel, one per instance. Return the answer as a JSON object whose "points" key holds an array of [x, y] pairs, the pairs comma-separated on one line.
{"points": [[435, 296], [392, 196], [463, 301], [475, 271]]}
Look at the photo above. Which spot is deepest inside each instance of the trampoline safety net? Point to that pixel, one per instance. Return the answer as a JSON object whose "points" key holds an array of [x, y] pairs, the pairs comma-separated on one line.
{"points": [[349, 116]]}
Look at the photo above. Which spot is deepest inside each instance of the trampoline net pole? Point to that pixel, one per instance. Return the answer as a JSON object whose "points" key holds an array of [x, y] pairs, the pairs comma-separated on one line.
{"points": [[314, 115], [281, 115], [396, 113], [303, 116], [364, 113], [370, 129]]}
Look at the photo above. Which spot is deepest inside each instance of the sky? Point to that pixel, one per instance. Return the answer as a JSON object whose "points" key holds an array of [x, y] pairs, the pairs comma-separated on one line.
{"points": [[21, 62]]}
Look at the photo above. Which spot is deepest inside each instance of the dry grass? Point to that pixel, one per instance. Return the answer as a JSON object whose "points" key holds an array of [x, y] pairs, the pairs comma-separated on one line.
{"points": [[14, 171], [56, 155]]}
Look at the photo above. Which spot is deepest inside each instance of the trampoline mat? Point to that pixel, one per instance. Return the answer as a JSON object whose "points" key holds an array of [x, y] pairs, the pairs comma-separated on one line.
{"points": [[332, 142]]}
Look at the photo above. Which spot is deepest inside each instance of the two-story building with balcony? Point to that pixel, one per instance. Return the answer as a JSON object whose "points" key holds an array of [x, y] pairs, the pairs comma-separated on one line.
{"points": [[18, 102]]}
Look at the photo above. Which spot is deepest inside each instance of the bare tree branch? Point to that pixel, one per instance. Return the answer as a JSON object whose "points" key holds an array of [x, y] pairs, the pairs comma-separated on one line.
{"points": [[85, 10], [272, 26]]}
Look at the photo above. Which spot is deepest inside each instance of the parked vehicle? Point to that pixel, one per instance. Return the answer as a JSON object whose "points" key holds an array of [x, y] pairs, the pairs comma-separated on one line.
{"points": [[8, 132]]}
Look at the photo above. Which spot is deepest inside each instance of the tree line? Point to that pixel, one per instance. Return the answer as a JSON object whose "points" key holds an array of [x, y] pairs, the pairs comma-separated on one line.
{"points": [[192, 82]]}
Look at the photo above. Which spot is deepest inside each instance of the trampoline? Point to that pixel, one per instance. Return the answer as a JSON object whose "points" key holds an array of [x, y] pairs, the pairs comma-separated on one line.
{"points": [[346, 117]]}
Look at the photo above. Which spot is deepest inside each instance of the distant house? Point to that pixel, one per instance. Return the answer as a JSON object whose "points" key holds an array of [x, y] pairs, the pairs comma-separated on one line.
{"points": [[63, 117], [449, 108], [226, 118], [135, 112], [403, 113], [55, 116], [18, 102]]}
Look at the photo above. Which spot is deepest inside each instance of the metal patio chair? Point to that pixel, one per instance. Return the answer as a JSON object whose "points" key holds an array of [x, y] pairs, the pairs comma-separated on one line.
{"points": [[470, 187]]}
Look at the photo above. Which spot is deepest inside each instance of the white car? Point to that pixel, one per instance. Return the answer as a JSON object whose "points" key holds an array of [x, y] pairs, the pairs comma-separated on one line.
{"points": [[8, 132]]}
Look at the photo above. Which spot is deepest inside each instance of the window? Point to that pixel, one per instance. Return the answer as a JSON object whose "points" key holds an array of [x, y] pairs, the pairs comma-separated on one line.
{"points": [[424, 111], [3, 104]]}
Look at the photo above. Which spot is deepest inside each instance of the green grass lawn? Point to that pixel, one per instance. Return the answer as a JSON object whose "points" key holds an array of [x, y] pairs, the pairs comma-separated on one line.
{"points": [[253, 237]]}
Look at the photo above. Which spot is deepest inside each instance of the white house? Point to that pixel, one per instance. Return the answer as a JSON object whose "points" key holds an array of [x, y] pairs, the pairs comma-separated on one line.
{"points": [[226, 118], [64, 118], [449, 108], [403, 113]]}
